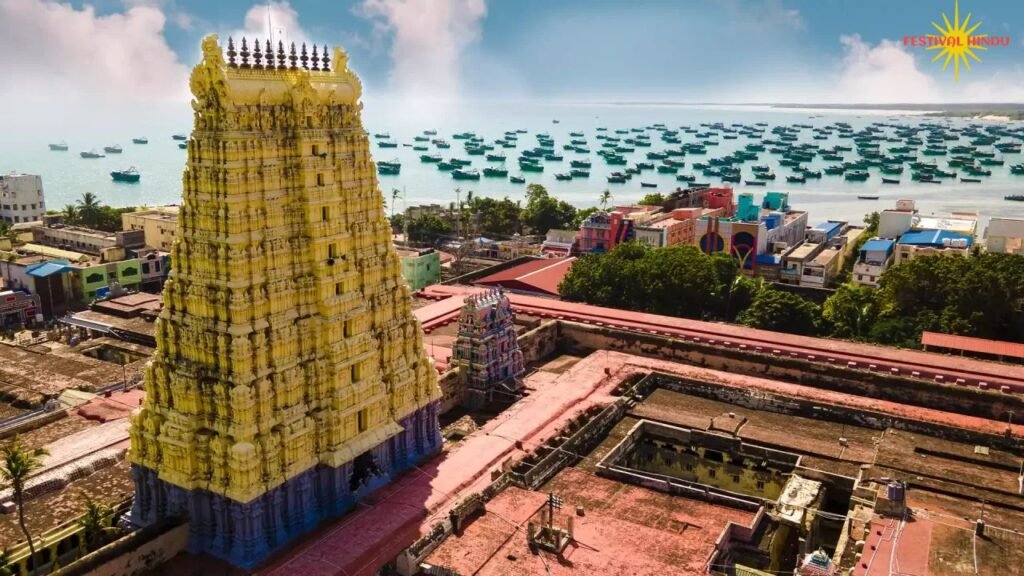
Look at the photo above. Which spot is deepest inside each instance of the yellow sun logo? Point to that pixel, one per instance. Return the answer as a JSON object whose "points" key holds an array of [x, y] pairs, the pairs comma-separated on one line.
{"points": [[956, 42]]}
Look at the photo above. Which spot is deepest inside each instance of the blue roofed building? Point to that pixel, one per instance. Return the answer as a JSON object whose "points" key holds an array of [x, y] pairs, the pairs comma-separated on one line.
{"points": [[932, 242], [876, 255]]}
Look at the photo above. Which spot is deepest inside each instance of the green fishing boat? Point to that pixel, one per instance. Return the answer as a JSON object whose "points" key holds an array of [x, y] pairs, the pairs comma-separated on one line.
{"points": [[492, 171]]}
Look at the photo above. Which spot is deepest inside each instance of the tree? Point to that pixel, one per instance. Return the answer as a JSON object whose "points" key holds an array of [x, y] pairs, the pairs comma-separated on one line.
{"points": [[544, 212], [653, 199], [89, 210], [606, 197], [428, 228], [18, 463], [782, 312], [395, 195], [581, 215], [496, 217], [851, 311], [96, 524]]}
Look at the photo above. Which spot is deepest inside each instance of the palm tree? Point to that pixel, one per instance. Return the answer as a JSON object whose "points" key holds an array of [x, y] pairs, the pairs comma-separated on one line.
{"points": [[17, 464], [95, 523], [606, 197], [70, 213], [89, 209], [395, 194]]}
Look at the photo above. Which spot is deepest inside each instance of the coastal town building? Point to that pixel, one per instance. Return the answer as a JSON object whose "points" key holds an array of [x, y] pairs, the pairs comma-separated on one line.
{"points": [[420, 267], [21, 198], [1005, 235], [893, 223], [290, 377], [817, 261], [539, 276], [603, 231], [109, 246], [932, 242], [876, 255], [757, 234], [558, 243], [157, 224]]}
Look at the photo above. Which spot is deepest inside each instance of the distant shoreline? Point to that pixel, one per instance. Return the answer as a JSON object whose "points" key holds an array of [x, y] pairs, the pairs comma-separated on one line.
{"points": [[983, 111]]}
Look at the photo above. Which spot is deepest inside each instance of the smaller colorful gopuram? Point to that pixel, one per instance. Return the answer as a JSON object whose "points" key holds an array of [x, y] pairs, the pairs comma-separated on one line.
{"points": [[486, 350]]}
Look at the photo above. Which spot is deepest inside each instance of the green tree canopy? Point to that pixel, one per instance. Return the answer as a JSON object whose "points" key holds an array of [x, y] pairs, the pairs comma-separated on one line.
{"points": [[544, 212], [782, 312], [653, 199], [428, 228], [495, 217], [851, 311], [581, 215]]}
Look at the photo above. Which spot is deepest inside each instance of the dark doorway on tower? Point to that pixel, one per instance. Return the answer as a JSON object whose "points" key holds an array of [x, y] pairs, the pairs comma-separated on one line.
{"points": [[364, 468]]}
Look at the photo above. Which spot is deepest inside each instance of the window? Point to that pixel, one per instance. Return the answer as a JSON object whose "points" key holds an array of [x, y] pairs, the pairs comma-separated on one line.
{"points": [[17, 218], [325, 213], [320, 179], [130, 271], [760, 484], [736, 478], [145, 268], [337, 292], [94, 277], [712, 473], [33, 206], [309, 121], [332, 251], [316, 150], [356, 373], [361, 420], [349, 328]]}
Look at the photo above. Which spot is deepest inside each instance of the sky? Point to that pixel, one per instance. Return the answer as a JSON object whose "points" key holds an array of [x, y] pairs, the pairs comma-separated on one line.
{"points": [[86, 62]]}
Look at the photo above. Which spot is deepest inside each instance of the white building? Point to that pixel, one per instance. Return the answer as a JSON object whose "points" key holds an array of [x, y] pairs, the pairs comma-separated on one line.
{"points": [[1005, 235], [21, 198]]}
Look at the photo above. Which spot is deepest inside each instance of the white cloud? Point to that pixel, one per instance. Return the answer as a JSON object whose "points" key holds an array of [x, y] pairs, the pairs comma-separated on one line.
{"points": [[879, 74], [428, 40], [65, 66], [277, 19], [1004, 86]]}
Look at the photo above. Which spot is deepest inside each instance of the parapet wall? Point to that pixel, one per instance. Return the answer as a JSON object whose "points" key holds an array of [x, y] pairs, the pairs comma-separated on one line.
{"points": [[993, 405]]}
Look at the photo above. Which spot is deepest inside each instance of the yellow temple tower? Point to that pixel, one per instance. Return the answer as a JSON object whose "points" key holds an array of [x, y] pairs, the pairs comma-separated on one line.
{"points": [[290, 376]]}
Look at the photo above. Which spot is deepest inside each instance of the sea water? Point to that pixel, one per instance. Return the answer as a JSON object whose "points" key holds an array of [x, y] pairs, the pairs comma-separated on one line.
{"points": [[66, 176]]}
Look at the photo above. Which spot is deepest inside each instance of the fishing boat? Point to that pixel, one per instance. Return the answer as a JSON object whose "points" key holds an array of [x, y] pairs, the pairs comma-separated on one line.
{"points": [[796, 179], [579, 173], [1015, 197], [563, 176], [617, 178], [867, 197], [440, 143], [130, 175], [492, 171], [59, 147], [179, 137], [755, 183], [91, 154], [383, 135], [856, 175], [387, 144], [460, 174], [970, 180], [420, 148], [1017, 169], [580, 163], [115, 149], [183, 145], [648, 185], [517, 179], [890, 180], [140, 140], [529, 166], [496, 157], [389, 168], [430, 158]]}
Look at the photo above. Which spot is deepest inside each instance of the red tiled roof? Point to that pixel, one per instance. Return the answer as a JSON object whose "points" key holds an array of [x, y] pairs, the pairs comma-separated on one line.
{"points": [[541, 276], [971, 344]]}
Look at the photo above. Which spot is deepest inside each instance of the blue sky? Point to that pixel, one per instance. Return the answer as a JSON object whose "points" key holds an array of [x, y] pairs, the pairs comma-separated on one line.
{"points": [[626, 48], [129, 57]]}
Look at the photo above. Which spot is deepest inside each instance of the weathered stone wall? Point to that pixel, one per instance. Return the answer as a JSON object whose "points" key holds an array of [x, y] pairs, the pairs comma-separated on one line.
{"points": [[582, 338], [135, 554]]}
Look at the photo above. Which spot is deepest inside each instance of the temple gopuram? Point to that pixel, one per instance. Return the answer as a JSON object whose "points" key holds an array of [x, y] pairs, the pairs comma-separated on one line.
{"points": [[486, 349], [290, 376]]}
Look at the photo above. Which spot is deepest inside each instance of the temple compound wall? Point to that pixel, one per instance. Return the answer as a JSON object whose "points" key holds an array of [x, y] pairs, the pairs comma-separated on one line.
{"points": [[290, 376]]}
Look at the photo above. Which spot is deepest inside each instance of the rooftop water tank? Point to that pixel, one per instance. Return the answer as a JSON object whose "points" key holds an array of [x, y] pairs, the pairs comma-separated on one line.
{"points": [[895, 491]]}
